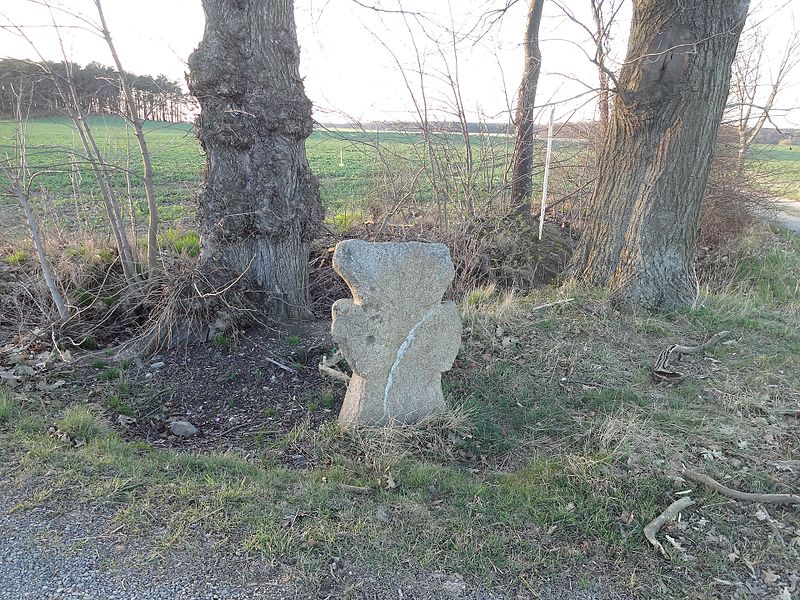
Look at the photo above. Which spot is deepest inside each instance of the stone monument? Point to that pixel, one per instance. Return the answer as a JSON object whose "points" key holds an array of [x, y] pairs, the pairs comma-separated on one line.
{"points": [[396, 333]]}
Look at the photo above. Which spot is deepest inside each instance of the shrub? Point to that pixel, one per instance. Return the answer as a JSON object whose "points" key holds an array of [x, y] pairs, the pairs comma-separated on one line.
{"points": [[733, 202]]}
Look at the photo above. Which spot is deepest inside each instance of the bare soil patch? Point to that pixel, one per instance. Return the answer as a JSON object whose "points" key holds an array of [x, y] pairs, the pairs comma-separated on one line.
{"points": [[238, 393]]}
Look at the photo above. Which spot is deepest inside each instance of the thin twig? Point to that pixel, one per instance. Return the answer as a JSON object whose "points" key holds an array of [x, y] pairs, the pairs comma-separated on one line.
{"points": [[549, 304], [280, 365]]}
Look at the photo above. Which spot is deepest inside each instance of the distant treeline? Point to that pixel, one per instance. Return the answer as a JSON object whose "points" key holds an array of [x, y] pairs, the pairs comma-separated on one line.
{"points": [[413, 127], [578, 130], [98, 90], [787, 137]]}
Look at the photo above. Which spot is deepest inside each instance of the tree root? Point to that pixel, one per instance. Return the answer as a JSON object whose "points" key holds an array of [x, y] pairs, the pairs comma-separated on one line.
{"points": [[737, 495], [672, 511]]}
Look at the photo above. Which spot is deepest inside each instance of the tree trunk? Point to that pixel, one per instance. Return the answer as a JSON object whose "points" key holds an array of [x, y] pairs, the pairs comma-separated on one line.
{"points": [[655, 160], [260, 205], [522, 176]]}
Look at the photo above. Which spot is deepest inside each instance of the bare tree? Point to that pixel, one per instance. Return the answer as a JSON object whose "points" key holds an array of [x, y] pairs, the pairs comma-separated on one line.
{"points": [[260, 205], [654, 165], [66, 88], [137, 122], [604, 13], [15, 170], [521, 180], [751, 110]]}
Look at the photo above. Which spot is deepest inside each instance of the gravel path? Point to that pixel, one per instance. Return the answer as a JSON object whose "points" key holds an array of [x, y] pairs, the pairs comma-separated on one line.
{"points": [[49, 553], [47, 556], [36, 564]]}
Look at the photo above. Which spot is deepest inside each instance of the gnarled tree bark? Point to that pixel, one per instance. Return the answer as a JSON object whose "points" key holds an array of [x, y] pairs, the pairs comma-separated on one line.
{"points": [[260, 205], [656, 157]]}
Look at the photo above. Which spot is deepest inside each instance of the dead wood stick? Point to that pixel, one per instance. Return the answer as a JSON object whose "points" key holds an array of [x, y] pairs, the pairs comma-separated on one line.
{"points": [[672, 511], [736, 494], [325, 370], [326, 367], [713, 340], [662, 370], [280, 365], [549, 304]]}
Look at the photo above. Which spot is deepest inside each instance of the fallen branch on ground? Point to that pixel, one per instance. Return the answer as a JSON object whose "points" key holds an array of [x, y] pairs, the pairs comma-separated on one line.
{"points": [[737, 495], [326, 367], [280, 365], [712, 341], [662, 370], [672, 511]]}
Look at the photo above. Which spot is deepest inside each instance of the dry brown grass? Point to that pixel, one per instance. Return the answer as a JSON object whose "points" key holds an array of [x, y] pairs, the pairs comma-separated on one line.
{"points": [[490, 251]]}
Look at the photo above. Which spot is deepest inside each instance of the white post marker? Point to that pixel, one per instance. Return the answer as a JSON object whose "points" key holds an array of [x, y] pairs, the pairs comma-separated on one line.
{"points": [[546, 173]]}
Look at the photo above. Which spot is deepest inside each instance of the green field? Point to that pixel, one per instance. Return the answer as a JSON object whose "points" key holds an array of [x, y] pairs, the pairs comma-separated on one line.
{"points": [[353, 167], [356, 169], [778, 167], [177, 161]]}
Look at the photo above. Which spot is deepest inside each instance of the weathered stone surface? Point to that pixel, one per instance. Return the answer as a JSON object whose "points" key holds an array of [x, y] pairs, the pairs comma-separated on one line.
{"points": [[396, 333], [183, 429]]}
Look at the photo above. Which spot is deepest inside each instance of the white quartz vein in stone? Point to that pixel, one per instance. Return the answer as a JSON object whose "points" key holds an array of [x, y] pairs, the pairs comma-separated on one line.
{"points": [[401, 351]]}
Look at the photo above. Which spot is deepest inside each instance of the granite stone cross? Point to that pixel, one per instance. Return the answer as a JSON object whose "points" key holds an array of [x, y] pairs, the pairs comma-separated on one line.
{"points": [[396, 333]]}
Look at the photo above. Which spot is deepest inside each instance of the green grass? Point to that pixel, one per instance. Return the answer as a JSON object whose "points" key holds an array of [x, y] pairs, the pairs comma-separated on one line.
{"points": [[556, 452], [118, 405], [555, 432], [8, 407], [109, 374], [16, 258], [250, 506], [348, 164], [181, 242], [762, 271], [778, 168], [80, 423]]}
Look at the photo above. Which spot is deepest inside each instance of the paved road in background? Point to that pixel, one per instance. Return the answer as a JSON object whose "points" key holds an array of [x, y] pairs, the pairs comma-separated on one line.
{"points": [[789, 216]]}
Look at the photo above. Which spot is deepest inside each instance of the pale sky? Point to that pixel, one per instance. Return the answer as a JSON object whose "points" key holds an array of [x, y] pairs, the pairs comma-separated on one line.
{"points": [[348, 69]]}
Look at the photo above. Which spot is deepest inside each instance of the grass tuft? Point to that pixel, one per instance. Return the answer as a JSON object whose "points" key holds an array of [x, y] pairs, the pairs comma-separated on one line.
{"points": [[16, 258], [8, 407], [81, 423], [185, 243]]}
